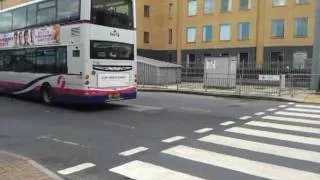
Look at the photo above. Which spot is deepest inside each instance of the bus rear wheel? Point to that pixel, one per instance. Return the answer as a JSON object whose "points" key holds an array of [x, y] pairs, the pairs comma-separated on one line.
{"points": [[46, 94]]}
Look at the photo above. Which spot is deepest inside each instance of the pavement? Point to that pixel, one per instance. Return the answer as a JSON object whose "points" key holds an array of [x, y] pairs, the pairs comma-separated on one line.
{"points": [[249, 92], [15, 167], [167, 136]]}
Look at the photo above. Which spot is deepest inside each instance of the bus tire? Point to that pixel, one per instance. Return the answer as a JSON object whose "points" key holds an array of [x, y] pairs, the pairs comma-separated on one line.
{"points": [[46, 94]]}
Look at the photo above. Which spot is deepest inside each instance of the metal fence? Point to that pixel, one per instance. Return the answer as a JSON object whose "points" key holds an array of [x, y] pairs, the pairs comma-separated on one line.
{"points": [[270, 80]]}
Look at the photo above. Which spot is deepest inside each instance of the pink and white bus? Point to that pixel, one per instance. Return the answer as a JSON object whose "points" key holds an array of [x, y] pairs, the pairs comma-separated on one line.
{"points": [[69, 51]]}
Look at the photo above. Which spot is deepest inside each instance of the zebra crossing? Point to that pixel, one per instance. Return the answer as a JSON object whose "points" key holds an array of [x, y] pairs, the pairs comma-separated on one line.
{"points": [[281, 144]]}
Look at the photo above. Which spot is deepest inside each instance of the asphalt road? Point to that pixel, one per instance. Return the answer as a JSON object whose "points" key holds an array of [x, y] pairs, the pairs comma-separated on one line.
{"points": [[154, 136]]}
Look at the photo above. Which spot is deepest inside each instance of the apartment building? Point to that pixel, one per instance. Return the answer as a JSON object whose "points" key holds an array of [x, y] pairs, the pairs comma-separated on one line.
{"points": [[260, 32]]}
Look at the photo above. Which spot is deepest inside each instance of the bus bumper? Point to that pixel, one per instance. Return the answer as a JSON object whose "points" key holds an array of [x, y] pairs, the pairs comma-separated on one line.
{"points": [[94, 96]]}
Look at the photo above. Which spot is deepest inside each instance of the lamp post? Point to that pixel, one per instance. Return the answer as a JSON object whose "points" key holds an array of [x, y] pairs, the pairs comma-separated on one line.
{"points": [[316, 51]]}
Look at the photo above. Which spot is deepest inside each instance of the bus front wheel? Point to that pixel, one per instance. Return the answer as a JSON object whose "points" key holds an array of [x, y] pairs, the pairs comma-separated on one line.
{"points": [[46, 94]]}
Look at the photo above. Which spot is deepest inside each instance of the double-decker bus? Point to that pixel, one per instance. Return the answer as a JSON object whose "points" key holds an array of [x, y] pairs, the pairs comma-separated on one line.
{"points": [[69, 51]]}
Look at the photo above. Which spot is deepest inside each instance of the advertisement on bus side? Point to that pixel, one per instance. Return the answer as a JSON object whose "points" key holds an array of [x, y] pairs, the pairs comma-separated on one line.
{"points": [[46, 35]]}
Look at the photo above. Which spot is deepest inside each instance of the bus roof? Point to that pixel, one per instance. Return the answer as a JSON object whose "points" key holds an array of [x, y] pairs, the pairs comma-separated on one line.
{"points": [[21, 5]]}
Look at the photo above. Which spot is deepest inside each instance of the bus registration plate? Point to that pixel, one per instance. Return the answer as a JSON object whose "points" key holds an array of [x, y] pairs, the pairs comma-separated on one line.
{"points": [[114, 96]]}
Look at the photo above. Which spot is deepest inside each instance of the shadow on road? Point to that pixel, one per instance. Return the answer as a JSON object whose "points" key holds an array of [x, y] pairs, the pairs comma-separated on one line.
{"points": [[72, 107]]}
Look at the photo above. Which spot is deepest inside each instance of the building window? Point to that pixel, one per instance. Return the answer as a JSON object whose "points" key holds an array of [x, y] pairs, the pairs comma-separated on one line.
{"points": [[146, 11], [192, 7], [300, 60], [245, 4], [243, 31], [278, 28], [191, 34], [170, 10], [302, 1], [301, 27], [226, 5], [191, 60], [225, 32], [278, 2], [277, 60], [170, 58], [146, 37], [208, 6], [224, 54], [243, 59], [207, 33], [170, 36]]}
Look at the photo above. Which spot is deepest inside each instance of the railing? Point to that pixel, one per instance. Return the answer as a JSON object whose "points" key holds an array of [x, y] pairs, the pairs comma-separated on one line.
{"points": [[246, 81]]}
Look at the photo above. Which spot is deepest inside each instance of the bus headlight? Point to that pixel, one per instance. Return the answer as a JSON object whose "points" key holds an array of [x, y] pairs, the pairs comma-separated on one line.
{"points": [[86, 82]]}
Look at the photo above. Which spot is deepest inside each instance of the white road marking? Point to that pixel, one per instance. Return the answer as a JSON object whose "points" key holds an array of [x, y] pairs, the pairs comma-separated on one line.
{"points": [[141, 108], [133, 151], [277, 136], [259, 113], [109, 123], [139, 170], [173, 139], [298, 114], [290, 119], [77, 168], [291, 103], [307, 106], [62, 141], [285, 127], [271, 109], [227, 123], [245, 117], [255, 168], [263, 148], [303, 110], [195, 110], [204, 130], [282, 106]]}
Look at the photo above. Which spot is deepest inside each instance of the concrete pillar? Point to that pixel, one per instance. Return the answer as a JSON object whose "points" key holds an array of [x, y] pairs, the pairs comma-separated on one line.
{"points": [[316, 51]]}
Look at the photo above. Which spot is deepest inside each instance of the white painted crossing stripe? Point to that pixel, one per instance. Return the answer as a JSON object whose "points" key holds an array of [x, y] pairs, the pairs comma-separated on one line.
{"points": [[133, 151], [290, 119], [173, 139], [285, 127], [308, 115], [307, 106], [227, 123], [277, 136], [139, 170], [291, 103], [204, 130], [259, 113], [264, 148], [245, 117], [282, 106], [271, 109], [77, 168], [234, 163], [303, 110]]}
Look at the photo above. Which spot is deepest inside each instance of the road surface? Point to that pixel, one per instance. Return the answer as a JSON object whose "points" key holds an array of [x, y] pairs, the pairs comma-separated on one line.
{"points": [[167, 136]]}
